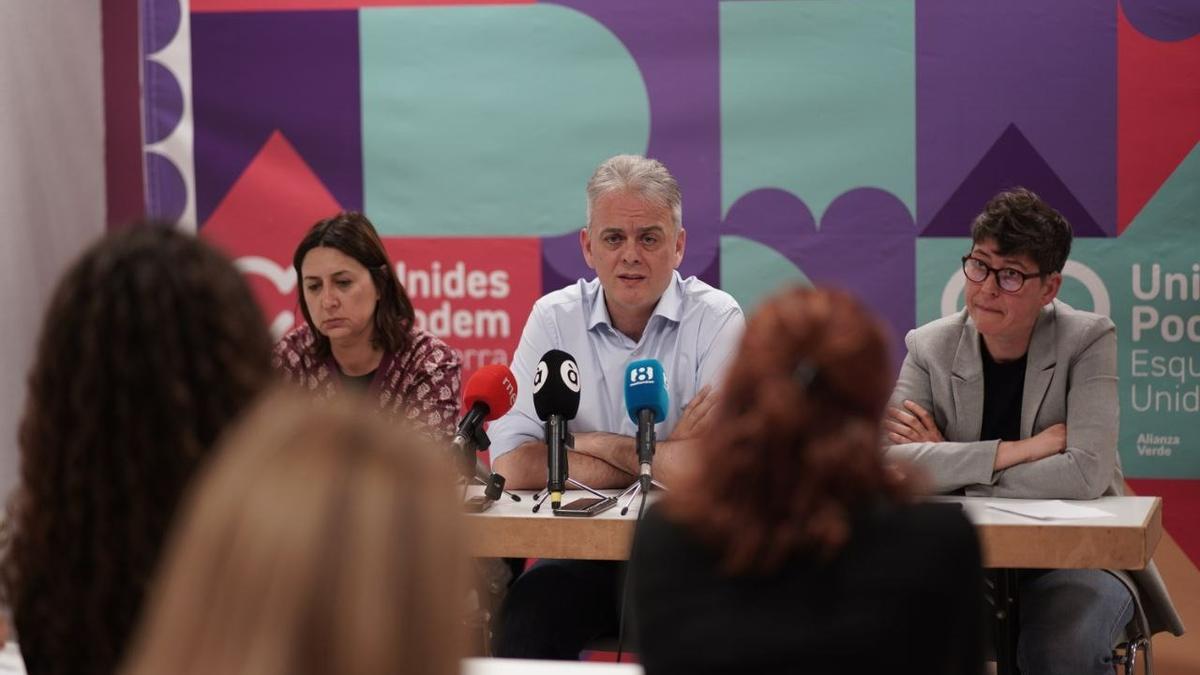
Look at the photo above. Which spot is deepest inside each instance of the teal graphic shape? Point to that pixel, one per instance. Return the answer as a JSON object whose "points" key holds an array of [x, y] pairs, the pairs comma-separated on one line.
{"points": [[817, 98], [1160, 411], [489, 120], [754, 271], [1163, 233]]}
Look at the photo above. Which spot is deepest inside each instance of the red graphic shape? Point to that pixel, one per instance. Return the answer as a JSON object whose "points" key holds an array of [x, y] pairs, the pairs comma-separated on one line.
{"points": [[1181, 510], [265, 214], [1158, 113], [294, 5], [473, 292]]}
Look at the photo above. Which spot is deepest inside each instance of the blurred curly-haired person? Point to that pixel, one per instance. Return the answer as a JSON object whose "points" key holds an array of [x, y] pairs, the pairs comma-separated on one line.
{"points": [[151, 345]]}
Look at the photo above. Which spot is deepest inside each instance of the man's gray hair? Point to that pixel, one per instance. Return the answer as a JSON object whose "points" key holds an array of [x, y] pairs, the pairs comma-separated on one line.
{"points": [[645, 176]]}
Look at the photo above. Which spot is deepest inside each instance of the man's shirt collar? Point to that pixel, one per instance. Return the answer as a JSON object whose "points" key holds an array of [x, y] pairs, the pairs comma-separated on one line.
{"points": [[670, 304]]}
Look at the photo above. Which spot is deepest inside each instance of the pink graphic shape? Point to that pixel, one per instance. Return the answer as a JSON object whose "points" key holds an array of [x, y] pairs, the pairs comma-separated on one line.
{"points": [[1181, 509], [307, 5], [1158, 113], [266, 212]]}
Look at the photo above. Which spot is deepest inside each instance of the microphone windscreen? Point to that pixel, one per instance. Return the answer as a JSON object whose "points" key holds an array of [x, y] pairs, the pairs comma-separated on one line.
{"points": [[494, 386], [646, 389], [556, 386]]}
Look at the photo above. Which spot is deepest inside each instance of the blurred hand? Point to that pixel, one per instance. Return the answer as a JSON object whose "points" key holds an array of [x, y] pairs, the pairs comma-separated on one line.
{"points": [[914, 424], [697, 418]]}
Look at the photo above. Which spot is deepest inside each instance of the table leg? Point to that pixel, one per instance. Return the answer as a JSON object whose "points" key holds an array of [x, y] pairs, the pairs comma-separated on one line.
{"points": [[1007, 625]]}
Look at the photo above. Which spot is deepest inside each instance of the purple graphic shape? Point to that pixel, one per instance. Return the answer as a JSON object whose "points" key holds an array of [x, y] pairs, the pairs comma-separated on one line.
{"points": [[563, 263], [1049, 68], [167, 193], [1012, 161], [163, 101], [771, 215], [160, 22], [675, 44], [1164, 20], [865, 245], [298, 72]]}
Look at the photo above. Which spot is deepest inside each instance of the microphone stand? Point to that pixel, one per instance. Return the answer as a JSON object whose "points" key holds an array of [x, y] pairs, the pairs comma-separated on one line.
{"points": [[468, 445], [645, 450], [558, 442]]}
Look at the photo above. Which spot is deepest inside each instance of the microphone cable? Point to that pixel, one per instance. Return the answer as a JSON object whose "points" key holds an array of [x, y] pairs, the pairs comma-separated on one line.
{"points": [[625, 589]]}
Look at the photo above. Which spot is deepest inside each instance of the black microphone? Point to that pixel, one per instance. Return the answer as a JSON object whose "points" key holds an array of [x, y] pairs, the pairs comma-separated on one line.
{"points": [[556, 400]]}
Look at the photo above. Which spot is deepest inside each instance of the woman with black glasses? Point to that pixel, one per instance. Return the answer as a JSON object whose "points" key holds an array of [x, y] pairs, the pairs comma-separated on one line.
{"points": [[1016, 396]]}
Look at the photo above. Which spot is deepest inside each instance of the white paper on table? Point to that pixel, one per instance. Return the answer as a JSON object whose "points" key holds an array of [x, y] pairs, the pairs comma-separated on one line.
{"points": [[1049, 509]]}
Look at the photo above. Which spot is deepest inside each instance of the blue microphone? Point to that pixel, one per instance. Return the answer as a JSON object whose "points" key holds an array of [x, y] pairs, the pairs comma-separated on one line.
{"points": [[646, 402]]}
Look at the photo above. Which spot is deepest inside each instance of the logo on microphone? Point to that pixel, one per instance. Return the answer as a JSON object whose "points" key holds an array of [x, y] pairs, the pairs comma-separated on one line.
{"points": [[570, 375], [539, 377], [510, 388], [641, 375]]}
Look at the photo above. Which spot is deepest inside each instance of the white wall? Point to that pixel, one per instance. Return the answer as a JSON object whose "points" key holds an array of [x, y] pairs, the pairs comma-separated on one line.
{"points": [[51, 176]]}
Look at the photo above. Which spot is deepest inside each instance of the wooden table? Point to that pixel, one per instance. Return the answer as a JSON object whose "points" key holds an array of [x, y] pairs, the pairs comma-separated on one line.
{"points": [[1124, 541], [530, 667]]}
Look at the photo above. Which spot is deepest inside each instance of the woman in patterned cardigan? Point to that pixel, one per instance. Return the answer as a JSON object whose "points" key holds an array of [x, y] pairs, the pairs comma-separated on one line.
{"points": [[359, 330]]}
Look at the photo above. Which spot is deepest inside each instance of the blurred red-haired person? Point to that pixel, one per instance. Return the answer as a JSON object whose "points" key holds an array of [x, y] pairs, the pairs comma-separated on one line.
{"points": [[790, 545]]}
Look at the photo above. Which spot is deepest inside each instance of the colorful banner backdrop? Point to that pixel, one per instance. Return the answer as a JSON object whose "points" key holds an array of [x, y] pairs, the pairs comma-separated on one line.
{"points": [[818, 141]]}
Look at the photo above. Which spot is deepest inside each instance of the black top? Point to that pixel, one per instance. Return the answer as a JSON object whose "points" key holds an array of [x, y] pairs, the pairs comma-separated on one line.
{"points": [[357, 382], [1003, 384], [903, 596]]}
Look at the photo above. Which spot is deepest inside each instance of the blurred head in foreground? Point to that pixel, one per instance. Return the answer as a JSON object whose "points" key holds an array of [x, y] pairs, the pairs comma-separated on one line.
{"points": [[798, 450], [150, 346], [322, 540]]}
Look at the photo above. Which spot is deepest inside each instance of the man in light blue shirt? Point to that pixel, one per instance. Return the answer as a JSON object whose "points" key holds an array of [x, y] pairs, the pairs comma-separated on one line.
{"points": [[637, 307]]}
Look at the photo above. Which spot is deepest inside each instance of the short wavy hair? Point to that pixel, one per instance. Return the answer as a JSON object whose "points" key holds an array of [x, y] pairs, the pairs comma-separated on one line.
{"points": [[151, 345], [797, 450], [645, 176], [1021, 223], [322, 539], [353, 234]]}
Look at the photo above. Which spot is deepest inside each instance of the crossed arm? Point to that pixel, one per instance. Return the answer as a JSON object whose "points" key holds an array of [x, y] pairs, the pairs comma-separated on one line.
{"points": [[1074, 459], [605, 460], [914, 424]]}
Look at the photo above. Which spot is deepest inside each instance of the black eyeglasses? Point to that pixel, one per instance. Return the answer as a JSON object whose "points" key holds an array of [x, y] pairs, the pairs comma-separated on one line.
{"points": [[1008, 279]]}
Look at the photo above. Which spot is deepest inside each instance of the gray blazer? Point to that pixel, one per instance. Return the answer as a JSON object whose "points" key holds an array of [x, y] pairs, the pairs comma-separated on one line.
{"points": [[1070, 377]]}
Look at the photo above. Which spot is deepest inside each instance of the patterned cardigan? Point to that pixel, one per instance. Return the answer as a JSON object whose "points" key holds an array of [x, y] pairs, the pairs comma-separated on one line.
{"points": [[420, 386]]}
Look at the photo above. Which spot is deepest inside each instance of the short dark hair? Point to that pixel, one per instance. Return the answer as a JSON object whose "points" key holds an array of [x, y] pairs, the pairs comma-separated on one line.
{"points": [[152, 344], [353, 234], [1021, 223]]}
